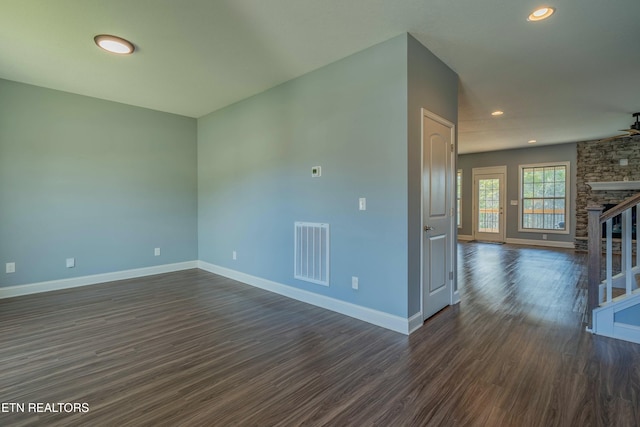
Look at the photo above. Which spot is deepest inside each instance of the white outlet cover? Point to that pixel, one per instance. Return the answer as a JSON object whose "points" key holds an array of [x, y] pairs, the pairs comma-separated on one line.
{"points": [[156, 252], [362, 203], [354, 282], [234, 255], [11, 267], [71, 262]]}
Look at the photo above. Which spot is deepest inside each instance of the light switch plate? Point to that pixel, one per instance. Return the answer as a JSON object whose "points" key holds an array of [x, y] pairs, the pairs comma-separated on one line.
{"points": [[316, 171], [11, 267], [156, 252], [362, 203], [71, 262]]}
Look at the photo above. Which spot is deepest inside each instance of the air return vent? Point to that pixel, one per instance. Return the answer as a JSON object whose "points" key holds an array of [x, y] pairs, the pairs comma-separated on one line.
{"points": [[312, 252]]}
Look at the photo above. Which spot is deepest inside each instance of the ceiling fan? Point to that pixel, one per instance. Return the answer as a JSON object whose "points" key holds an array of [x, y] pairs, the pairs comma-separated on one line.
{"points": [[634, 130]]}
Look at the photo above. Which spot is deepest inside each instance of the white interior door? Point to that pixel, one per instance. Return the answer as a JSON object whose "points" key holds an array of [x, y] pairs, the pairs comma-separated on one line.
{"points": [[488, 205], [437, 214]]}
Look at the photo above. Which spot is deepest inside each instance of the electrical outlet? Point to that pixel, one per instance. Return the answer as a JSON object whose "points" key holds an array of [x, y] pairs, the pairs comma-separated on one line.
{"points": [[354, 282], [71, 262], [156, 252], [11, 267], [544, 237], [234, 255]]}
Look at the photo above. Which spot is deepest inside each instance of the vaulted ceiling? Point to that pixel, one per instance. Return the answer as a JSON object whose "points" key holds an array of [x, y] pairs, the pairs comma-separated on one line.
{"points": [[575, 76]]}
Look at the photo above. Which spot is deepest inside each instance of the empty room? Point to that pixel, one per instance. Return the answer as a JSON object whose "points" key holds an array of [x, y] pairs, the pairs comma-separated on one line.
{"points": [[327, 213]]}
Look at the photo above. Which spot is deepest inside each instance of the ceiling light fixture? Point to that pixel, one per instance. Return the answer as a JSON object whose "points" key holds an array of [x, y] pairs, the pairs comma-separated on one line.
{"points": [[540, 14], [114, 44], [531, 141], [497, 113]]}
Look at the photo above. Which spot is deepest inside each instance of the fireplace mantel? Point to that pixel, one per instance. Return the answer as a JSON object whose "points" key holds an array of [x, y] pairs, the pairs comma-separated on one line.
{"points": [[614, 185]]}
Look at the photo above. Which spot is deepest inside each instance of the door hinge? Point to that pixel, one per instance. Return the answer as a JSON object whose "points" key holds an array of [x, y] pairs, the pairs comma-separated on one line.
{"points": [[451, 211], [451, 275]]}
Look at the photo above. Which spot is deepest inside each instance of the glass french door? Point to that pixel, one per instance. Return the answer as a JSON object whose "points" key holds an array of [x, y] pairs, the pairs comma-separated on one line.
{"points": [[489, 207]]}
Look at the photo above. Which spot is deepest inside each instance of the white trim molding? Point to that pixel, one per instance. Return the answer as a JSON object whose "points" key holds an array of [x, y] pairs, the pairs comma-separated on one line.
{"points": [[456, 297], [604, 320], [465, 237], [74, 282], [501, 173], [452, 228], [545, 243], [567, 198], [379, 318], [415, 322]]}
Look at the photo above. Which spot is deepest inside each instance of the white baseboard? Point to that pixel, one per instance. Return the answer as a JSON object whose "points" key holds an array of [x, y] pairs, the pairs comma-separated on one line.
{"points": [[547, 243], [456, 297], [415, 322], [626, 332], [529, 242], [74, 282], [379, 318]]}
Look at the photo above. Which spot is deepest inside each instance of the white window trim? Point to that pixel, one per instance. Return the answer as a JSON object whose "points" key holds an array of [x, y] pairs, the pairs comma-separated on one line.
{"points": [[459, 171], [567, 199]]}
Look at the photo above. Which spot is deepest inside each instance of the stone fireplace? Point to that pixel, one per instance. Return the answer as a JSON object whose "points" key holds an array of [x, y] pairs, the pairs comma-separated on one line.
{"points": [[603, 165]]}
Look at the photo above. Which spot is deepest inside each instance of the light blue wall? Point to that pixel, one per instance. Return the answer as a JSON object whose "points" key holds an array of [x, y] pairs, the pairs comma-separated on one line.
{"points": [[434, 86], [99, 181], [106, 183], [512, 159], [359, 119], [254, 177]]}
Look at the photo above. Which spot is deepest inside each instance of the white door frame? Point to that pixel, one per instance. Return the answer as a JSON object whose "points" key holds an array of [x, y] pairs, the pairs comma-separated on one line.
{"points": [[453, 228], [503, 194]]}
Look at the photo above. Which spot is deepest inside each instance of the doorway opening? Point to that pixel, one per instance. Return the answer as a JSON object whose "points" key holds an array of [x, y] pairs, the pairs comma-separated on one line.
{"points": [[489, 189]]}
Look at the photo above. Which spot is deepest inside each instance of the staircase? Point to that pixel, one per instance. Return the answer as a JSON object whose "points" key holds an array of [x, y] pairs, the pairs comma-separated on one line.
{"points": [[614, 303]]}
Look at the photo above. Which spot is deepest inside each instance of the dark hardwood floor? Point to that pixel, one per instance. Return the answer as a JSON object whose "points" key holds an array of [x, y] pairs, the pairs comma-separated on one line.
{"points": [[192, 348]]}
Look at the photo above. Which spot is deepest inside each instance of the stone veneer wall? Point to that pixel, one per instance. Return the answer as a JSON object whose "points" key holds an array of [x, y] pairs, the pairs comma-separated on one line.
{"points": [[600, 161]]}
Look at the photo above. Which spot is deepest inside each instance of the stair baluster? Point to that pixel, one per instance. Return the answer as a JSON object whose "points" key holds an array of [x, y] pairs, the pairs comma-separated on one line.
{"points": [[602, 307]]}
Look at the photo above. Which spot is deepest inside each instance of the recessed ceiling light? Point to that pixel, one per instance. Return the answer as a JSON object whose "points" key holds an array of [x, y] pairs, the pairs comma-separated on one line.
{"points": [[114, 44], [497, 113], [540, 14], [531, 141]]}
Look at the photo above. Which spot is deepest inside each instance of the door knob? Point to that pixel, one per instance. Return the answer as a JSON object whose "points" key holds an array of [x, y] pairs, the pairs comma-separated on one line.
{"points": [[427, 228]]}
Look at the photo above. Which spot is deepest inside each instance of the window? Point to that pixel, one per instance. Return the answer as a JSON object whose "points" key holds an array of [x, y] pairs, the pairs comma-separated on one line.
{"points": [[459, 198], [544, 197]]}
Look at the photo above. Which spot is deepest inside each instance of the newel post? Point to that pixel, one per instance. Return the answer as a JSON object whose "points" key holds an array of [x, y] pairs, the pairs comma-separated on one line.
{"points": [[595, 256]]}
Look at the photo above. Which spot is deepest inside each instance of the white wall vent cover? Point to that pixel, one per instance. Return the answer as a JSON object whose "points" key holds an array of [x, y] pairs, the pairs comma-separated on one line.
{"points": [[311, 258]]}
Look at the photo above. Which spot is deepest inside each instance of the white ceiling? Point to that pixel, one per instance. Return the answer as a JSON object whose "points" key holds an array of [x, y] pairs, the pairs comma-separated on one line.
{"points": [[573, 77]]}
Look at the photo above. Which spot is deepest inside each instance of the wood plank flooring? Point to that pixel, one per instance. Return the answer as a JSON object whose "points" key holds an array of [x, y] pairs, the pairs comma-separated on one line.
{"points": [[192, 349]]}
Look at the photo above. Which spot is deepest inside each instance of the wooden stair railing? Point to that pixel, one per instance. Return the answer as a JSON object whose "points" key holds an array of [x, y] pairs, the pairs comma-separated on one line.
{"points": [[595, 220]]}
